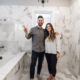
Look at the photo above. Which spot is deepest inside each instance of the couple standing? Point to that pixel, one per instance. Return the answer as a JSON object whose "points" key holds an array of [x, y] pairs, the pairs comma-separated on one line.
{"points": [[44, 42]]}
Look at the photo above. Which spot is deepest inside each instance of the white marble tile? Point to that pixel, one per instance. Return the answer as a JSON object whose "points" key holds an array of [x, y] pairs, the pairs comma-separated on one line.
{"points": [[66, 23], [44, 73]]}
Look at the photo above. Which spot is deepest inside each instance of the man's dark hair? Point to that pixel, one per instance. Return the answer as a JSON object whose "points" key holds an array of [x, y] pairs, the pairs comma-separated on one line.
{"points": [[40, 17]]}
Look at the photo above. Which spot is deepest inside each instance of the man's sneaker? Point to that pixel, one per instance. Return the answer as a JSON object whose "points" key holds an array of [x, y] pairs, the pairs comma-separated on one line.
{"points": [[39, 77]]}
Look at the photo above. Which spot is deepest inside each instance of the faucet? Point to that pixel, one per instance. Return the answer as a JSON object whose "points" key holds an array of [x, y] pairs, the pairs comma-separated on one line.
{"points": [[0, 57], [2, 47]]}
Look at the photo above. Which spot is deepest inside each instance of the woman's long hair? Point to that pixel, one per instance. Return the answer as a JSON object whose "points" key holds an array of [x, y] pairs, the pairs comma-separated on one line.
{"points": [[52, 34]]}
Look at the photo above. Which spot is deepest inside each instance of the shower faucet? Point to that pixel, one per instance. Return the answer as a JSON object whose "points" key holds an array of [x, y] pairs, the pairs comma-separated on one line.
{"points": [[2, 47], [1, 56]]}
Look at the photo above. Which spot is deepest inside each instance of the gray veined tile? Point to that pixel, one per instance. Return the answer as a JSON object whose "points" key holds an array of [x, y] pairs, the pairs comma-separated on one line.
{"points": [[62, 74]]}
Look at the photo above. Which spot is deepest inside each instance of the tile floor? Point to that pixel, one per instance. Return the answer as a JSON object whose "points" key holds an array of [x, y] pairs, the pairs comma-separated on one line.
{"points": [[62, 74]]}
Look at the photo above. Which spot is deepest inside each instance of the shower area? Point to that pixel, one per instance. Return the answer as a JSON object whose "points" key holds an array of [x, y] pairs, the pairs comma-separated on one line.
{"points": [[15, 49]]}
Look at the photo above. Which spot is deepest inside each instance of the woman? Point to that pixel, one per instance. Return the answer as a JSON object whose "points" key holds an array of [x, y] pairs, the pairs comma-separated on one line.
{"points": [[52, 50]]}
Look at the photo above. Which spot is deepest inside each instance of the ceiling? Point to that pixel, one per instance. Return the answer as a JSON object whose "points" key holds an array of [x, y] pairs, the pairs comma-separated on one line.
{"points": [[64, 3]]}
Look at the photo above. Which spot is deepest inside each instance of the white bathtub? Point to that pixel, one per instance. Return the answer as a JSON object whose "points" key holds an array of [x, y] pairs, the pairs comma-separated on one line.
{"points": [[9, 65], [5, 58]]}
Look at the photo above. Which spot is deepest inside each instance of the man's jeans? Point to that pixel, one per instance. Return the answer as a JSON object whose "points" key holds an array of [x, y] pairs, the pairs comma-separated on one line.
{"points": [[35, 55]]}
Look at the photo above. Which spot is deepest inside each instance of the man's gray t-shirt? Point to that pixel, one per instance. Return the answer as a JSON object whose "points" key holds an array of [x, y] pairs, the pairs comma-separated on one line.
{"points": [[37, 35]]}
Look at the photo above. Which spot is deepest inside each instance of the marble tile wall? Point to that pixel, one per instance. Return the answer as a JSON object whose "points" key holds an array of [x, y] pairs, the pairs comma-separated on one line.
{"points": [[74, 39], [11, 31], [12, 36]]}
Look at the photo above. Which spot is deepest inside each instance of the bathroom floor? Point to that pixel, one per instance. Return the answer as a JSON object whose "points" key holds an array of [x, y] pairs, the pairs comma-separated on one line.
{"points": [[62, 74]]}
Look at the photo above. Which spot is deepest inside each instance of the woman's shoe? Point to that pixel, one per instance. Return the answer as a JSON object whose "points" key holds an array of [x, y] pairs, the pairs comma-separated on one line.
{"points": [[49, 78]]}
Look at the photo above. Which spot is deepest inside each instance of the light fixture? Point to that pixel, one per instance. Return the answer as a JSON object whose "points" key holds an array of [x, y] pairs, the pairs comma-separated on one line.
{"points": [[43, 1]]}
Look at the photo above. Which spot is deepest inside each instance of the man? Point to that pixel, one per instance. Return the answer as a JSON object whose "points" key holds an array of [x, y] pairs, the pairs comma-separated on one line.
{"points": [[38, 48]]}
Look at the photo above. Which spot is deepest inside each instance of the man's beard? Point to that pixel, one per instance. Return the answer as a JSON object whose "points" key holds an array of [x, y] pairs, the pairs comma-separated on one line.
{"points": [[40, 25]]}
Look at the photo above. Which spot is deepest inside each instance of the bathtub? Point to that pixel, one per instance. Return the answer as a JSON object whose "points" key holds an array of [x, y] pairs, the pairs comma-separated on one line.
{"points": [[5, 58], [11, 65]]}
